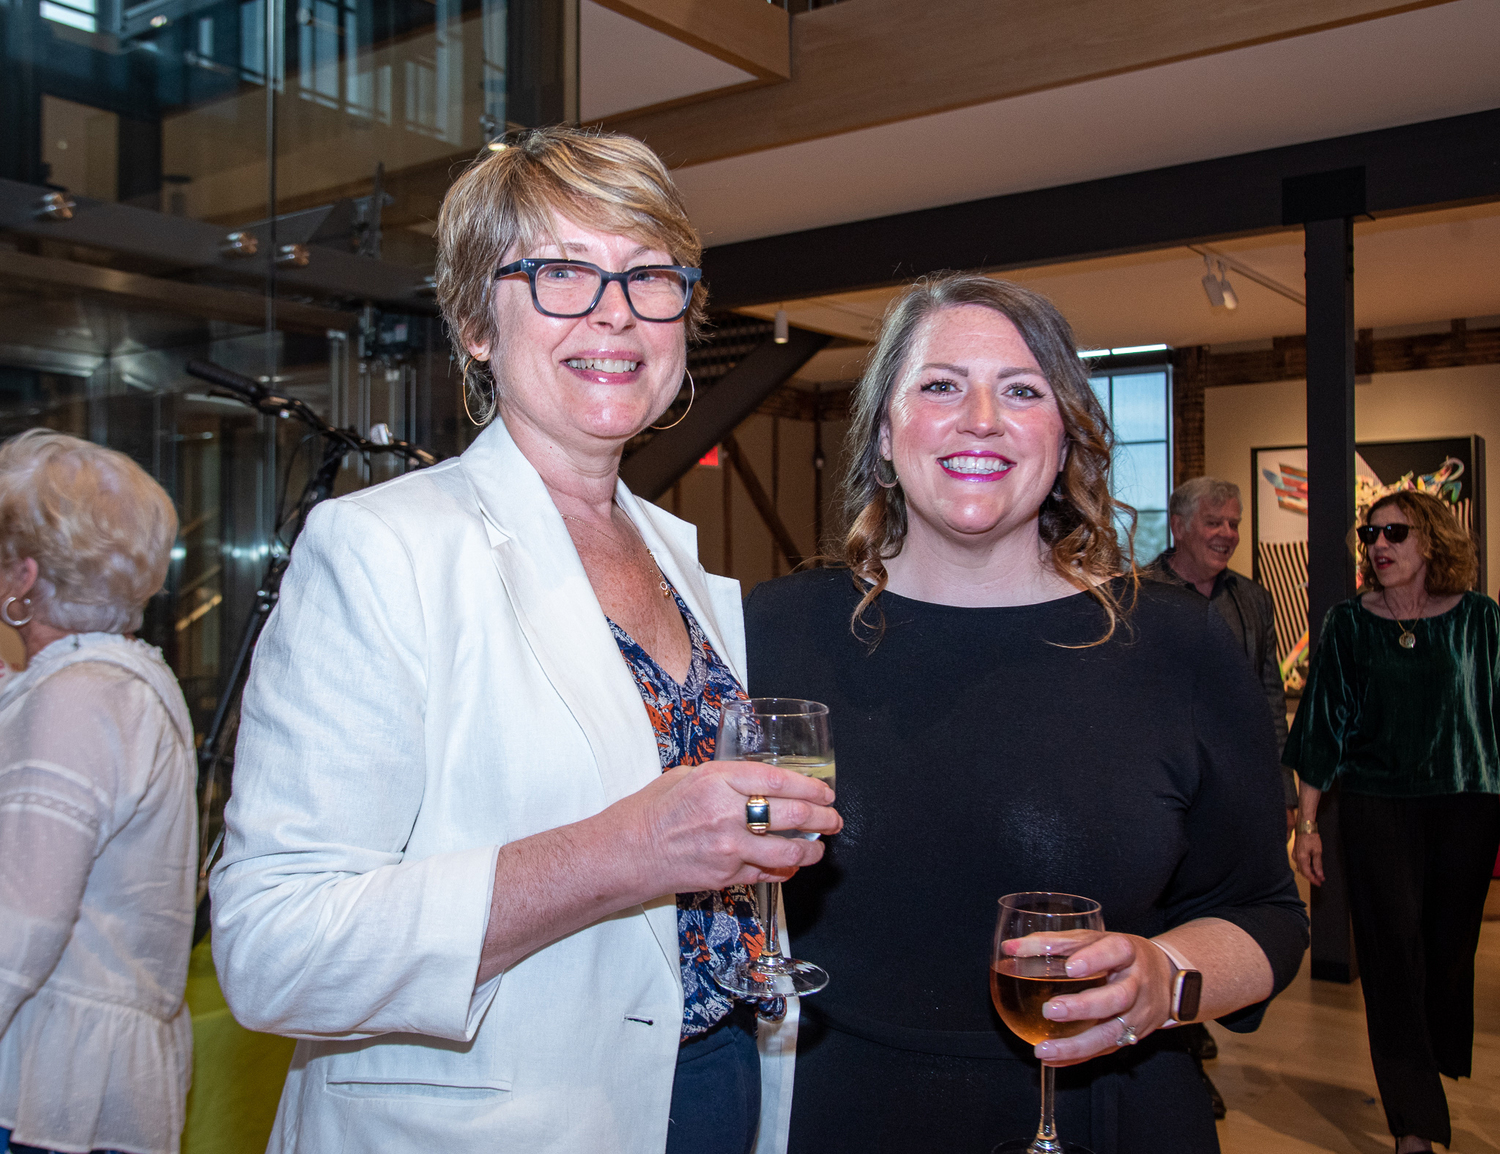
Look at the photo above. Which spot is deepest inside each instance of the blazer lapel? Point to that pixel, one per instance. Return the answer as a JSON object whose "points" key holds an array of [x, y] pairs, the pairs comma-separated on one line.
{"points": [[559, 614], [554, 603]]}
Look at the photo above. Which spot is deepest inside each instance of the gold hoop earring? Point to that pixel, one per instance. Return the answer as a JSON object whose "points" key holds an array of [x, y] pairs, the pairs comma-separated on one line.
{"points": [[883, 466], [469, 364], [5, 612], [692, 396]]}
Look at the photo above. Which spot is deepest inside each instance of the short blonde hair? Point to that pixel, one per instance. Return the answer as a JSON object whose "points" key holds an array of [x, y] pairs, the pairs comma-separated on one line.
{"points": [[98, 527], [502, 206]]}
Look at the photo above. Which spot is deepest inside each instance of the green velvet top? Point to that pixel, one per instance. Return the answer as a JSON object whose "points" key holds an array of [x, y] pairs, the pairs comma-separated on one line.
{"points": [[1397, 722]]}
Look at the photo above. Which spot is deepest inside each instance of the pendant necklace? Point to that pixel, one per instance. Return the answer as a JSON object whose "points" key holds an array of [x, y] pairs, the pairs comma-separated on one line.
{"points": [[1408, 639], [661, 578]]}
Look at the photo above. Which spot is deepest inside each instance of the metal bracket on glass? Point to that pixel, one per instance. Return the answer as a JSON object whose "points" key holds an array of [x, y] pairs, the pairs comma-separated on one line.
{"points": [[55, 206], [240, 244], [292, 256]]}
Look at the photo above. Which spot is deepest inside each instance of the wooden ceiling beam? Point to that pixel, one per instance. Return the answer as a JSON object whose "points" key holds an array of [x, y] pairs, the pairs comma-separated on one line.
{"points": [[748, 34], [859, 65]]}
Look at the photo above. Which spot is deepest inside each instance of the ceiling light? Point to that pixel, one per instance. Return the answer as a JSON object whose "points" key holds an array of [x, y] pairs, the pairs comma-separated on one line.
{"points": [[1128, 349], [782, 333], [1249, 272], [1213, 286], [497, 146], [1231, 299]]}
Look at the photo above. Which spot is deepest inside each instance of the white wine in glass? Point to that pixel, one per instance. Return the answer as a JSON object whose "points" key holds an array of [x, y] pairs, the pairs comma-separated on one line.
{"points": [[1022, 981], [821, 768], [793, 734]]}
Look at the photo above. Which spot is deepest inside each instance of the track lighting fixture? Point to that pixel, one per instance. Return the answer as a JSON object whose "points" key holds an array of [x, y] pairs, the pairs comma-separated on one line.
{"points": [[1221, 294], [781, 334], [1211, 285], [1231, 299]]}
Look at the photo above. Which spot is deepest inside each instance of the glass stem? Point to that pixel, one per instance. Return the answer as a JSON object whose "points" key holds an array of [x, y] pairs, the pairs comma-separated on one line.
{"points": [[771, 906], [1046, 1141]]}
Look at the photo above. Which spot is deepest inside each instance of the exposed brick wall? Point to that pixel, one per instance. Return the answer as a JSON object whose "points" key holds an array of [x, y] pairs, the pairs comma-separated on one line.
{"points": [[1189, 376]]}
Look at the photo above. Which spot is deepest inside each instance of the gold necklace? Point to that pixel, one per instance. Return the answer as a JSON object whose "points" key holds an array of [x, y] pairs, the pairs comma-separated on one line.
{"points": [[661, 578], [1408, 639]]}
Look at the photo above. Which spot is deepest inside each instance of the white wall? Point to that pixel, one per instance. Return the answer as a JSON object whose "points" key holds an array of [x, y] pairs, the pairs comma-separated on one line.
{"points": [[1457, 402]]}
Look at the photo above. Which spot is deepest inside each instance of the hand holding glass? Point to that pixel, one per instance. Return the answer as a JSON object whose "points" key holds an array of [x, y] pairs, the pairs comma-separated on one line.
{"points": [[1025, 975], [792, 734]]}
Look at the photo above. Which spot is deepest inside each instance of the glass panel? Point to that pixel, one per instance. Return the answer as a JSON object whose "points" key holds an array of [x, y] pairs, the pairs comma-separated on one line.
{"points": [[75, 15], [1140, 408], [1140, 475], [1101, 390], [1150, 537], [334, 126]]}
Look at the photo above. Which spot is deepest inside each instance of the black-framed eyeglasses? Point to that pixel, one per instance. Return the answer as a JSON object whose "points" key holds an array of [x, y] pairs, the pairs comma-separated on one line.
{"points": [[1395, 532], [574, 288]]}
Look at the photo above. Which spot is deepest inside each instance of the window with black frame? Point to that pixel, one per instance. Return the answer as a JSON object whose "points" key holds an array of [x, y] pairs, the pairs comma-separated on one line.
{"points": [[1139, 404]]}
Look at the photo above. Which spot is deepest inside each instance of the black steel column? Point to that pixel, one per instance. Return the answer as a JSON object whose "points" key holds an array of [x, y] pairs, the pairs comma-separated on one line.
{"points": [[1326, 203], [1330, 415]]}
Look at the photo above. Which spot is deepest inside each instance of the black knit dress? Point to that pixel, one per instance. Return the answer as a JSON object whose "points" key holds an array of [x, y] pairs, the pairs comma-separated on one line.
{"points": [[979, 755]]}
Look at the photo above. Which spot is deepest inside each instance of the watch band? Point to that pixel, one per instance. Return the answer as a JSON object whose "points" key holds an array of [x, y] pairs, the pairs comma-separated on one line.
{"points": [[1187, 987]]}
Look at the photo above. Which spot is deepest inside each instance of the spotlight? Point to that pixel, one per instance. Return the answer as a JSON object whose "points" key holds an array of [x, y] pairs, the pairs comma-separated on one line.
{"points": [[1213, 286], [781, 335], [1231, 299]]}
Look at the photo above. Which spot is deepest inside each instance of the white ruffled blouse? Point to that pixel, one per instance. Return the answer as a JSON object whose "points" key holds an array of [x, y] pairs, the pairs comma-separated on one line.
{"points": [[98, 841]]}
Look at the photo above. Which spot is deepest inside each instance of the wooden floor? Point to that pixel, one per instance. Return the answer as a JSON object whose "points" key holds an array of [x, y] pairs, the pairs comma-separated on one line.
{"points": [[1303, 1083]]}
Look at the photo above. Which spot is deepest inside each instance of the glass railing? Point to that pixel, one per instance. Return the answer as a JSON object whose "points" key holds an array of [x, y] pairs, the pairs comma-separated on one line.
{"points": [[254, 183]]}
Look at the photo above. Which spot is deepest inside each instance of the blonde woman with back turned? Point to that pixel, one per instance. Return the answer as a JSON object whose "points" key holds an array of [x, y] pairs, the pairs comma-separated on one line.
{"points": [[97, 820]]}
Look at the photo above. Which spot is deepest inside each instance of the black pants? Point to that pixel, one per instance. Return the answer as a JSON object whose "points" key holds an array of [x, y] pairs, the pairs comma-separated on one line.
{"points": [[1419, 870]]}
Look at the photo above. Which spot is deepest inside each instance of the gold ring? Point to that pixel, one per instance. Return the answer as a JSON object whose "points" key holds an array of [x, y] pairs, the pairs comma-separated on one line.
{"points": [[757, 814]]}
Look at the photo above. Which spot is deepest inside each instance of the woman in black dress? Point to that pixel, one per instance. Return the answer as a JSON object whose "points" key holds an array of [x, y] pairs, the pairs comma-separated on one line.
{"points": [[1010, 715]]}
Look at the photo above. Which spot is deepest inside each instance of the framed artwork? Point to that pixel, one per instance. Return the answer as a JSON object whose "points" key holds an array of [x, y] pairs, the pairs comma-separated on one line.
{"points": [[1450, 468]]}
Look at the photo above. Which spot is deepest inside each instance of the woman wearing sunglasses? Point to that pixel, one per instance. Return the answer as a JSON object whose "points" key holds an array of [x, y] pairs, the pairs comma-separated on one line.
{"points": [[478, 856], [1400, 709]]}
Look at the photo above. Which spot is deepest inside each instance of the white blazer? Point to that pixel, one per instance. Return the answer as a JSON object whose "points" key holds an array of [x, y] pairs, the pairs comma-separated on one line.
{"points": [[437, 680]]}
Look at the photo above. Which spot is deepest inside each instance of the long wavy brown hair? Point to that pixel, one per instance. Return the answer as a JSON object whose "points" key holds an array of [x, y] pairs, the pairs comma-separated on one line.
{"points": [[1078, 518], [1452, 557]]}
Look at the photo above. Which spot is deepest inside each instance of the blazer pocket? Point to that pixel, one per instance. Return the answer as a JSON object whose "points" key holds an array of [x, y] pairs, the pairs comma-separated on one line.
{"points": [[396, 1116], [493, 1092]]}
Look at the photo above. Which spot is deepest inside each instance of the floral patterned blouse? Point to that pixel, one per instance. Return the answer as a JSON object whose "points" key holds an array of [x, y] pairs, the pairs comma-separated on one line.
{"points": [[716, 928]]}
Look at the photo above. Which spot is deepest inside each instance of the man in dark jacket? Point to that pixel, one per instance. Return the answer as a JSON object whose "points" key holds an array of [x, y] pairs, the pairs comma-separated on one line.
{"points": [[1205, 516]]}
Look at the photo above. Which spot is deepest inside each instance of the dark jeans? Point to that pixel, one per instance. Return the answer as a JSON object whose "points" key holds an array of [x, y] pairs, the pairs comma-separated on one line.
{"points": [[716, 1092], [1419, 870]]}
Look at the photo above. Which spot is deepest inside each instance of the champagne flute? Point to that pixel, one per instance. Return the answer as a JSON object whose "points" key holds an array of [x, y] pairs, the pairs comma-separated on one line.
{"points": [[793, 734], [1020, 985]]}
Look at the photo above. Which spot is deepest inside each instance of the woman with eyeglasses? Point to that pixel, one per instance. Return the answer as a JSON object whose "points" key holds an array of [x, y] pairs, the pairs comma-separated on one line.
{"points": [[1400, 710], [478, 855]]}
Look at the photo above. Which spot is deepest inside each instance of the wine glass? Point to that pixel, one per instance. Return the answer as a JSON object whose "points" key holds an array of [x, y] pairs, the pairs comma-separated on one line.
{"points": [[793, 734], [1024, 977]]}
